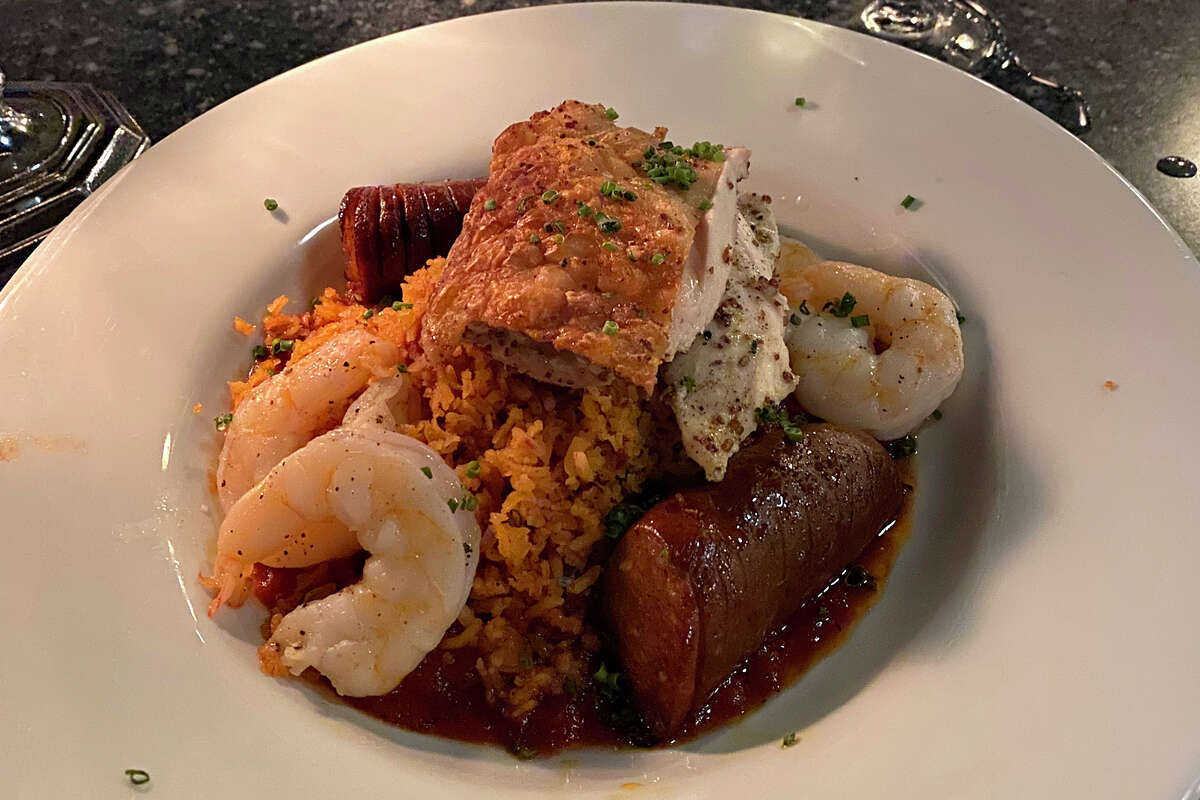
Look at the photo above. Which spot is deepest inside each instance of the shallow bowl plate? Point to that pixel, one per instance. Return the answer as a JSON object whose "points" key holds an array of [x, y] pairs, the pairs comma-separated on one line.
{"points": [[1038, 636]]}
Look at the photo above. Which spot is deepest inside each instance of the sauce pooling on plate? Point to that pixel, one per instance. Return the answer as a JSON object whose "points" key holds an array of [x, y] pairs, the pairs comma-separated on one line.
{"points": [[444, 695]]}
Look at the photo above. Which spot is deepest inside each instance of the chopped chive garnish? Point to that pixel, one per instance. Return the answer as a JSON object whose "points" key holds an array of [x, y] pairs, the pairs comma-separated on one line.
{"points": [[401, 368], [558, 226], [453, 504], [960, 317], [558, 238], [903, 447], [399, 306], [791, 738], [489, 205], [534, 238], [754, 347], [469, 503], [524, 200], [549, 196], [841, 308], [937, 414], [270, 205], [473, 469], [222, 422], [606, 294], [591, 142], [139, 776], [608, 224], [610, 328], [282, 345], [908, 201], [799, 101], [610, 114], [368, 313], [689, 383], [803, 308], [316, 301], [706, 205], [657, 258], [585, 210], [260, 352], [794, 319], [607, 188], [427, 472], [860, 321], [610, 246]]}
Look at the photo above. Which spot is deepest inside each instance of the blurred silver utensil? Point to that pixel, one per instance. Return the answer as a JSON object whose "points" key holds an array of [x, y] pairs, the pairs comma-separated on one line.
{"points": [[966, 35], [58, 143]]}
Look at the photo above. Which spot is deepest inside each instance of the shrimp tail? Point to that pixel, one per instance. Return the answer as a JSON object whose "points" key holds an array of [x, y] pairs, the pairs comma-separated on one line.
{"points": [[230, 582]]}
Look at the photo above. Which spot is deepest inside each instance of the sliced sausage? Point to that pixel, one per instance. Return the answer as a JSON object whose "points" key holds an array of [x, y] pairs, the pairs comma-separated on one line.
{"points": [[390, 231], [697, 584]]}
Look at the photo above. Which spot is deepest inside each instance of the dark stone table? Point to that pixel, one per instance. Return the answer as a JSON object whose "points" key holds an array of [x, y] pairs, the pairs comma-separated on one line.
{"points": [[1137, 61]]}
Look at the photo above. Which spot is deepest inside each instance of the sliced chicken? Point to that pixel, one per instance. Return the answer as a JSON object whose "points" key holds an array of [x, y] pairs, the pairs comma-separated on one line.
{"points": [[594, 252]]}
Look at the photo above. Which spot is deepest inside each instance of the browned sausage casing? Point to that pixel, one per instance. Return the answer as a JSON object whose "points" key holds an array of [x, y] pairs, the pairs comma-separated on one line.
{"points": [[697, 584], [390, 231]]}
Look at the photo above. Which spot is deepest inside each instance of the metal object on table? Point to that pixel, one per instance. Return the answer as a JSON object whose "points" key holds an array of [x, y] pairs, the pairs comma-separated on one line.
{"points": [[966, 35], [58, 143]]}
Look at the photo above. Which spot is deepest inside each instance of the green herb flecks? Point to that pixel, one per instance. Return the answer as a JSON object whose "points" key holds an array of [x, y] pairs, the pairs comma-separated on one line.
{"points": [[139, 777], [903, 447], [610, 114], [401, 368], [800, 101], [791, 738], [222, 422], [841, 308], [260, 352], [860, 321], [427, 472], [270, 204], [908, 201], [936, 415], [473, 468], [489, 205], [689, 383], [658, 258], [777, 415], [610, 328], [549, 196], [623, 515]]}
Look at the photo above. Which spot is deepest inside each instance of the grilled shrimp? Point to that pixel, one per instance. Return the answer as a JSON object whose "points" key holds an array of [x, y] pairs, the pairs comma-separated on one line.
{"points": [[882, 365], [350, 489], [306, 398]]}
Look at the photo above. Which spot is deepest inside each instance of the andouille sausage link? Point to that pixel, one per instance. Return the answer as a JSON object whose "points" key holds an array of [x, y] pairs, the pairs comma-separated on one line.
{"points": [[697, 584], [390, 231]]}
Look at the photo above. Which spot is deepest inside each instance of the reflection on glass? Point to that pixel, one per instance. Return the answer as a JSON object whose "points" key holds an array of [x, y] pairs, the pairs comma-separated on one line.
{"points": [[965, 35]]}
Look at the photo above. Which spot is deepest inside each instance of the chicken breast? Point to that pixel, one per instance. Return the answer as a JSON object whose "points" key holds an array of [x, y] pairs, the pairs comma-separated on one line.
{"points": [[739, 362], [594, 252]]}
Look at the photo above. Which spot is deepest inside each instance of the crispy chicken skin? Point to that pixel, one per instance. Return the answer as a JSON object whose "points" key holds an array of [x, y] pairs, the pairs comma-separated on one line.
{"points": [[557, 293]]}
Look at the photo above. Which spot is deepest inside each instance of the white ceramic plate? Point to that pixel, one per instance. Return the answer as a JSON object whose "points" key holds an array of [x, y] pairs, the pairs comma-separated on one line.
{"points": [[1038, 637]]}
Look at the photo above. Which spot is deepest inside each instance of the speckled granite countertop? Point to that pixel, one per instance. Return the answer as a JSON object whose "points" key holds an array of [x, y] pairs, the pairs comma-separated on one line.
{"points": [[1138, 63]]}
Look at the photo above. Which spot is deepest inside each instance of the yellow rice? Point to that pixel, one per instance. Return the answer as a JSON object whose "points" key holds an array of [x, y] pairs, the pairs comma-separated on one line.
{"points": [[553, 462]]}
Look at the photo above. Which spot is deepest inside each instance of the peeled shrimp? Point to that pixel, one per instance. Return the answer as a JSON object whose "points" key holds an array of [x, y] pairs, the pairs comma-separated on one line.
{"points": [[387, 403], [288, 409], [350, 489], [884, 374]]}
